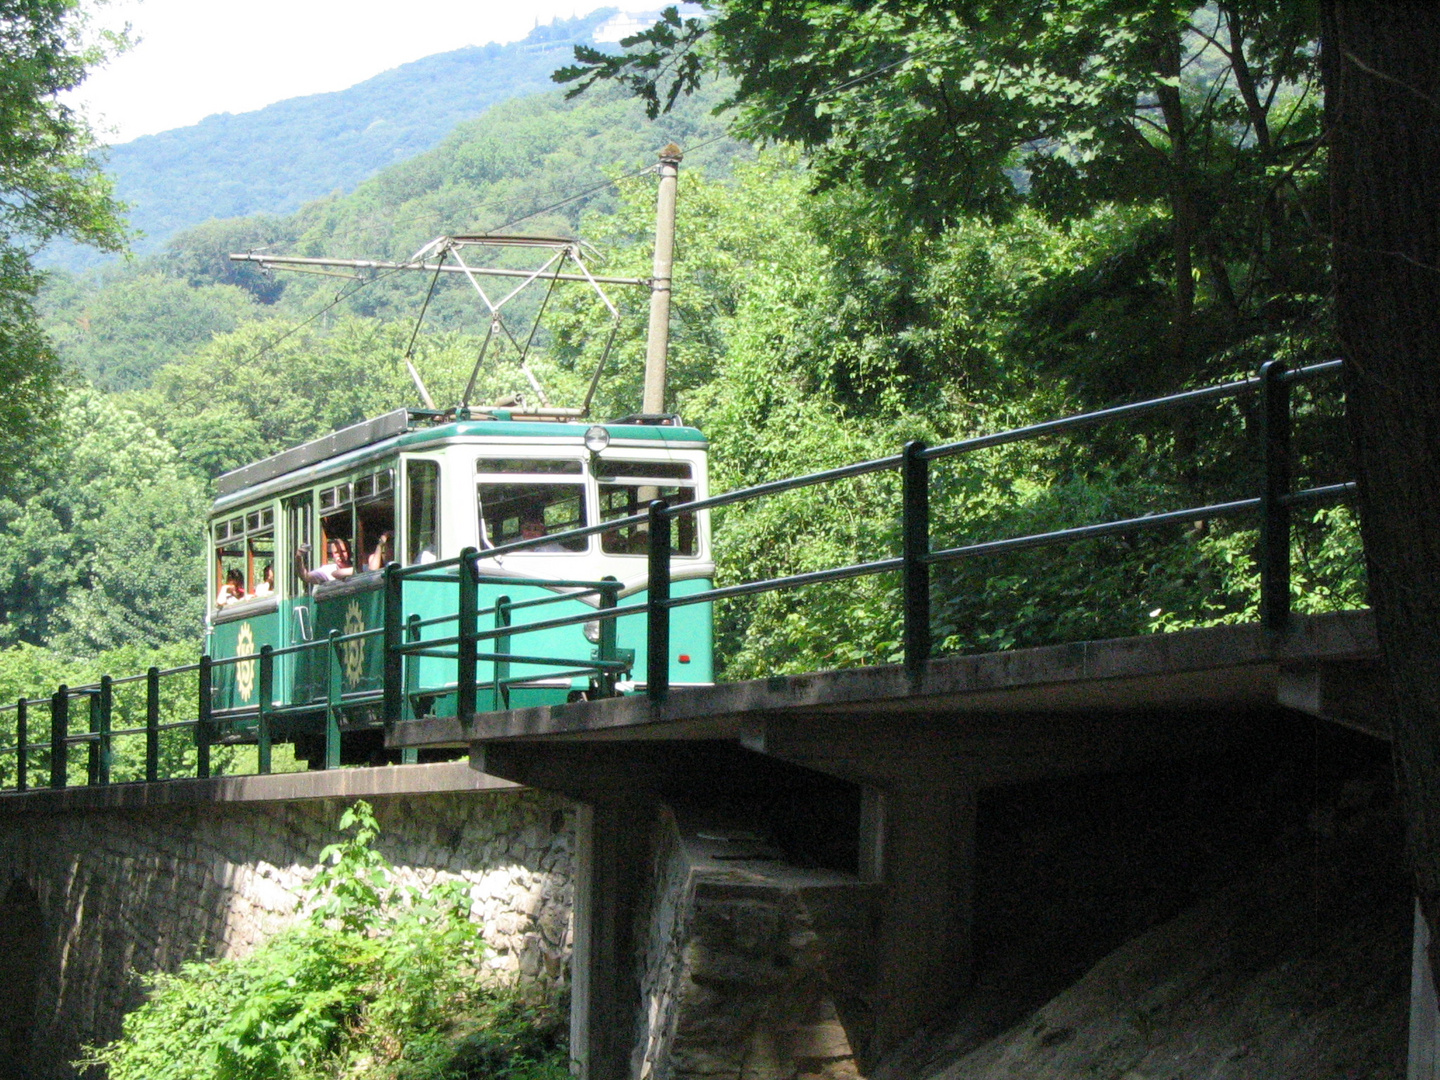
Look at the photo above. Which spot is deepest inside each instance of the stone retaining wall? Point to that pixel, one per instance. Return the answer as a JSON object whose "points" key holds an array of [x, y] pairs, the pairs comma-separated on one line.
{"points": [[121, 891]]}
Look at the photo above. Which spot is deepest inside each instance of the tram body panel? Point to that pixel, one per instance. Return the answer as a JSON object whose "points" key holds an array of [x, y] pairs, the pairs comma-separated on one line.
{"points": [[243, 632]]}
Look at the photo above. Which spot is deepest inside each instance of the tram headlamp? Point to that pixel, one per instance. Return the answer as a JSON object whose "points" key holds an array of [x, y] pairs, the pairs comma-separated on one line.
{"points": [[597, 438], [592, 631]]}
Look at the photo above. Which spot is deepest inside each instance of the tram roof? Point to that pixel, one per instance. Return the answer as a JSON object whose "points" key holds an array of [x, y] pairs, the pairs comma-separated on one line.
{"points": [[404, 429]]}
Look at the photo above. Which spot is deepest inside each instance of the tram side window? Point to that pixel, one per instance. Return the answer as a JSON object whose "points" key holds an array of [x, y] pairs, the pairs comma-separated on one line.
{"points": [[357, 525], [628, 487], [299, 513], [230, 577], [523, 500], [245, 557], [375, 519], [260, 560], [422, 539]]}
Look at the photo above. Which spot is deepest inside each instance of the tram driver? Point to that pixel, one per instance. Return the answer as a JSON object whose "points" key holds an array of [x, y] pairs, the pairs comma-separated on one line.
{"points": [[533, 527], [337, 565]]}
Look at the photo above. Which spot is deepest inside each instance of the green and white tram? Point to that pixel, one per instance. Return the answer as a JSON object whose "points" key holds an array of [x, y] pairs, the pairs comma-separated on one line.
{"points": [[299, 542]]}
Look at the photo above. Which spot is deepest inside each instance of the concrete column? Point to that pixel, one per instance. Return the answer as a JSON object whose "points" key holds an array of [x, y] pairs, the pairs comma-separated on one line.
{"points": [[925, 935], [612, 842], [1424, 1018]]}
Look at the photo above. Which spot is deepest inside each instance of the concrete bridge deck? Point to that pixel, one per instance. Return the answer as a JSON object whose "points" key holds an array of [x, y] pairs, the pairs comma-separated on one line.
{"points": [[1325, 666]]}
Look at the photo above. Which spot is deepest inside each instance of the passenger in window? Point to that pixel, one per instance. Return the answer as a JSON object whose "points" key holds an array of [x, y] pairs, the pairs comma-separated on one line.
{"points": [[267, 582], [232, 590], [383, 553], [337, 566], [533, 528]]}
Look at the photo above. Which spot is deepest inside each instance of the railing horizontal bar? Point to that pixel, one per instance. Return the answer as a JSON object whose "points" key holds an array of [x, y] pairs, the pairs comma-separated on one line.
{"points": [[434, 654], [129, 679], [750, 588], [1171, 401], [1083, 420], [1109, 528], [1327, 493], [776, 487], [418, 571], [418, 647], [523, 680], [541, 601], [549, 583], [540, 661], [613, 525], [436, 621], [176, 725], [516, 629], [1310, 371]]}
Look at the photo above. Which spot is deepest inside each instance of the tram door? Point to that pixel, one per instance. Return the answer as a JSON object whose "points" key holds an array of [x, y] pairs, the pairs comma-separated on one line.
{"points": [[297, 614]]}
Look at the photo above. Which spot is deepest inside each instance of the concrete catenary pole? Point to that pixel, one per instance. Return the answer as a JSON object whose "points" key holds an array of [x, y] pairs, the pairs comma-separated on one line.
{"points": [[658, 342]]}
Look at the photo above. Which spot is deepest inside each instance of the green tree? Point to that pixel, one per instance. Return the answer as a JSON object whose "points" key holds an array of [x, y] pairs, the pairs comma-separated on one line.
{"points": [[118, 334], [946, 110], [99, 546], [50, 186]]}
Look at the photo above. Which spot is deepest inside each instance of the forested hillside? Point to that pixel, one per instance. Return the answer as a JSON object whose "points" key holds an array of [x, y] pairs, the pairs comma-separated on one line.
{"points": [[275, 159], [819, 319]]}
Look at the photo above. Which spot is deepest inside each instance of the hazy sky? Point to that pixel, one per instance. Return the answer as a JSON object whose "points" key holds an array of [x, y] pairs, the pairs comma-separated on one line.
{"points": [[198, 57]]}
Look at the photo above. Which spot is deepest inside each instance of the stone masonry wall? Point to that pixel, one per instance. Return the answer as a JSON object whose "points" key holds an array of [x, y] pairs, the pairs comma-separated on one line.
{"points": [[125, 891], [749, 968]]}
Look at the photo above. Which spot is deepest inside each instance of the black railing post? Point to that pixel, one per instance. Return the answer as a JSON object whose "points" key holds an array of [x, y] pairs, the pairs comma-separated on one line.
{"points": [[333, 701], [605, 648], [412, 667], [915, 551], [393, 665], [152, 725], [22, 745], [500, 691], [467, 615], [1274, 514], [206, 707], [101, 704], [410, 754], [263, 709], [59, 733], [657, 653]]}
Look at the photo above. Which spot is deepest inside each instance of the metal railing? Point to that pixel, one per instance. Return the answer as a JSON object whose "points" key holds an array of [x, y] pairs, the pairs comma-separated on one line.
{"points": [[403, 644]]}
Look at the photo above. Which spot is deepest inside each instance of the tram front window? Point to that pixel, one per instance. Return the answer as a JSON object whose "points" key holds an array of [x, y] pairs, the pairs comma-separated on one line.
{"points": [[526, 500], [628, 487]]}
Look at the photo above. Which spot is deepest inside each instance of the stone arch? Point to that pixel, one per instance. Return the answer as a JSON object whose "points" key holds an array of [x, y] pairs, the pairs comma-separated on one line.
{"points": [[22, 950]]}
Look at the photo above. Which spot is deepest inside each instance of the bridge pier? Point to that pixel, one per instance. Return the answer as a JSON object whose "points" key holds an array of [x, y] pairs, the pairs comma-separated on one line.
{"points": [[611, 853], [928, 870]]}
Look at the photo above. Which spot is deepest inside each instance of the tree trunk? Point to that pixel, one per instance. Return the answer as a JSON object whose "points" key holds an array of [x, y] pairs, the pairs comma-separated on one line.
{"points": [[1381, 67]]}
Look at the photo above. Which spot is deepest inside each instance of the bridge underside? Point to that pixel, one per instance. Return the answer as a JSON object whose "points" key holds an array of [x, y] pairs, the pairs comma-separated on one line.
{"points": [[870, 776]]}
